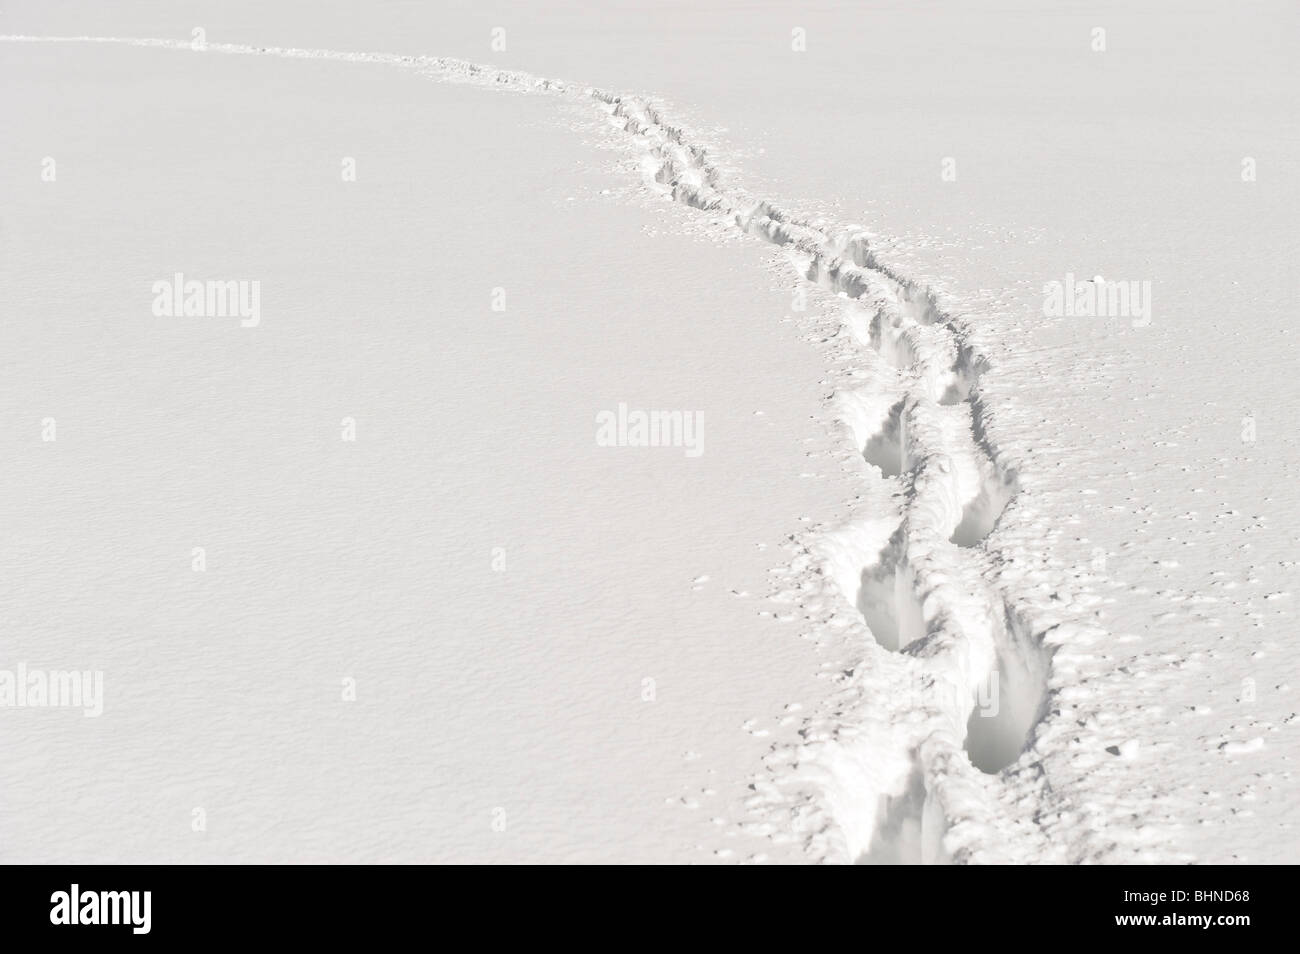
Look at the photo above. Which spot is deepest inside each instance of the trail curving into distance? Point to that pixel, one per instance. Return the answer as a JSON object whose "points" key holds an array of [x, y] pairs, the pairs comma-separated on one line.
{"points": [[925, 754]]}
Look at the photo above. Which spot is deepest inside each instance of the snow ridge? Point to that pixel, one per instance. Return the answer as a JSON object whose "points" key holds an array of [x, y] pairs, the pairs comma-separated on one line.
{"points": [[925, 754]]}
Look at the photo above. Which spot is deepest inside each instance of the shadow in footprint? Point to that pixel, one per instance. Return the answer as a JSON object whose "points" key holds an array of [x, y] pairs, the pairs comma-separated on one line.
{"points": [[889, 606], [981, 515], [1011, 701], [885, 448], [897, 839]]}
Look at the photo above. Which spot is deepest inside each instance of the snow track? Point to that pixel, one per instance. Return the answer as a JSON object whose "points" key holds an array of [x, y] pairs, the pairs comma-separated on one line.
{"points": [[925, 754]]}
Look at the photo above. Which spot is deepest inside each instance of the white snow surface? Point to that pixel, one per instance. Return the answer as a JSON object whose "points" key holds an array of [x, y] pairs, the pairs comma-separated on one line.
{"points": [[950, 581]]}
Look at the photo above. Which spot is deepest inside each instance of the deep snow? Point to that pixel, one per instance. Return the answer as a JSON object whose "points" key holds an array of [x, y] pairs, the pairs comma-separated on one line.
{"points": [[1091, 509]]}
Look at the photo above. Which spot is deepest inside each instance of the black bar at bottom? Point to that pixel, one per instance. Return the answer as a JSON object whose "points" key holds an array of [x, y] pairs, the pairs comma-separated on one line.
{"points": [[335, 904]]}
